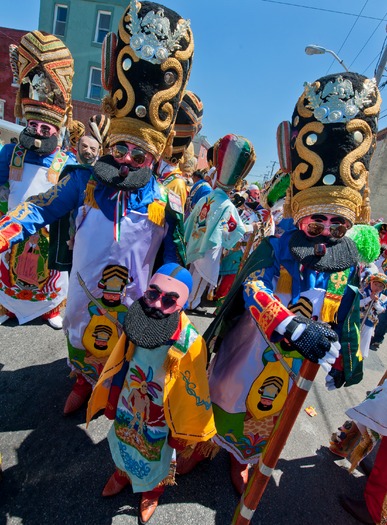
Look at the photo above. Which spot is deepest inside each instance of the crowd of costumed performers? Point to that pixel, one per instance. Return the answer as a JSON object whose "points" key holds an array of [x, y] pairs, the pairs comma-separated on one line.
{"points": [[114, 223]]}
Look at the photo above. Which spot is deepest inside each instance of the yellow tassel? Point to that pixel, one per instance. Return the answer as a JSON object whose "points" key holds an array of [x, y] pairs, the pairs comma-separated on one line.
{"points": [[156, 213], [89, 194], [130, 351], [284, 284], [330, 308]]}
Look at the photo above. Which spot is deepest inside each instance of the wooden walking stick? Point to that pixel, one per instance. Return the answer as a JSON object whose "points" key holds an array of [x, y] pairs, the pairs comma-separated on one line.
{"points": [[268, 460]]}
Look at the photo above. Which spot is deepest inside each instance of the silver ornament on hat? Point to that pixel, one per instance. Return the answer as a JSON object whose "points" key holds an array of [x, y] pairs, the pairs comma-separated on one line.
{"points": [[152, 39]]}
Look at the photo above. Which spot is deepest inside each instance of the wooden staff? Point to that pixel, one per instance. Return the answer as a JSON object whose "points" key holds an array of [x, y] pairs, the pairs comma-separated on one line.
{"points": [[249, 245], [371, 304], [277, 440]]}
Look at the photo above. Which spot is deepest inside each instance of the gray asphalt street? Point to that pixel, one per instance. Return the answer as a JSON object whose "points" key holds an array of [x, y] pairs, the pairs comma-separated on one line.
{"points": [[54, 469]]}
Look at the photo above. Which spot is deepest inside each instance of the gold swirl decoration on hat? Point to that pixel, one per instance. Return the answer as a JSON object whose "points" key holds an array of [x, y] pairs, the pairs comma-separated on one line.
{"points": [[118, 95], [312, 158], [161, 100], [349, 161]]}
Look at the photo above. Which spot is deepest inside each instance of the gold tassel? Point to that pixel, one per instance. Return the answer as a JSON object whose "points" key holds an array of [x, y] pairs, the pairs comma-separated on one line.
{"points": [[330, 308], [365, 210], [287, 210], [360, 451], [207, 449], [109, 106], [156, 213], [284, 284], [18, 110], [171, 364], [89, 194], [168, 150], [69, 114]]}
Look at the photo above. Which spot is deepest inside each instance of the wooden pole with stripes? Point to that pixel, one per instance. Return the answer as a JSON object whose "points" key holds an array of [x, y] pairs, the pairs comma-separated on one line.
{"points": [[277, 440]]}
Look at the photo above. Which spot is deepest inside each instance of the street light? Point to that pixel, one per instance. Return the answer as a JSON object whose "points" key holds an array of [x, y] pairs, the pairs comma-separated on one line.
{"points": [[319, 50]]}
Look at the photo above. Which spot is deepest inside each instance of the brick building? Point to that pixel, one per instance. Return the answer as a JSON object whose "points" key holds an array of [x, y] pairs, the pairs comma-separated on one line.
{"points": [[7, 90]]}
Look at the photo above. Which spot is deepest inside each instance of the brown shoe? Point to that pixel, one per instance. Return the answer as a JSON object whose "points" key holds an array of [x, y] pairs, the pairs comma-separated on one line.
{"points": [[80, 393], [357, 509], [184, 465], [117, 482], [239, 475], [148, 505]]}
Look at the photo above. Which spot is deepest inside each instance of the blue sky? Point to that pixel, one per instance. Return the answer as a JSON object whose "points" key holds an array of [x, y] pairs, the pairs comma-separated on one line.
{"points": [[250, 65]]}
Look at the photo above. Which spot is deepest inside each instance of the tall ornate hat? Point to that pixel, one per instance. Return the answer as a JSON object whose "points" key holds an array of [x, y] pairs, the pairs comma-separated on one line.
{"points": [[99, 129], [275, 189], [328, 146], [233, 157], [76, 132], [146, 68], [44, 69], [188, 123]]}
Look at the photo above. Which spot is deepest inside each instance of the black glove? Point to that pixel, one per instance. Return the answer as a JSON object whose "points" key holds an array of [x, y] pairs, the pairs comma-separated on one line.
{"points": [[314, 342]]}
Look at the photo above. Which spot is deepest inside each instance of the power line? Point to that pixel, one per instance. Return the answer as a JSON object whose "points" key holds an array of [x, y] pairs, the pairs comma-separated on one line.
{"points": [[370, 64], [321, 9], [350, 31], [372, 34]]}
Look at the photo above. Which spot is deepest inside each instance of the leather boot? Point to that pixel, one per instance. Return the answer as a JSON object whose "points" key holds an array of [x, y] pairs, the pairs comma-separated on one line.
{"points": [[149, 502], [78, 396], [184, 465], [117, 482], [239, 475], [357, 509]]}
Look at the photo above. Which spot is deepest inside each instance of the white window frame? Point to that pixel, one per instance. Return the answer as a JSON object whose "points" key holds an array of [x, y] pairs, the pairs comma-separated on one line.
{"points": [[2, 108], [92, 68], [98, 28], [57, 6]]}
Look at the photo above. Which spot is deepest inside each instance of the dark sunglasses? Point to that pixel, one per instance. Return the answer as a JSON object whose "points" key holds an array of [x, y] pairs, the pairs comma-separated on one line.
{"points": [[167, 301], [43, 132], [336, 230], [137, 155]]}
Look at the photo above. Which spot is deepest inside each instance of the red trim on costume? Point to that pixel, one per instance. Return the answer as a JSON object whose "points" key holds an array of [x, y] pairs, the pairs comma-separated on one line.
{"points": [[4, 244], [271, 315], [52, 313], [376, 488], [176, 335], [9, 231]]}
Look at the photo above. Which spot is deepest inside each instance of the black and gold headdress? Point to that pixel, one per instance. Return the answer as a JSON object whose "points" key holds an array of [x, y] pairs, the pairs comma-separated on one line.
{"points": [[328, 147], [146, 68]]}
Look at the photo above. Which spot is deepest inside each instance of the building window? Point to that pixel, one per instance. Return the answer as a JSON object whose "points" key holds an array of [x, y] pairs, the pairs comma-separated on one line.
{"points": [[103, 26], [60, 19], [2, 102], [95, 86]]}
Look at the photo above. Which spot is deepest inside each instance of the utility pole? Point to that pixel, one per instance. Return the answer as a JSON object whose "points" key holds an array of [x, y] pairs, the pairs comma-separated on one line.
{"points": [[273, 163], [381, 66]]}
